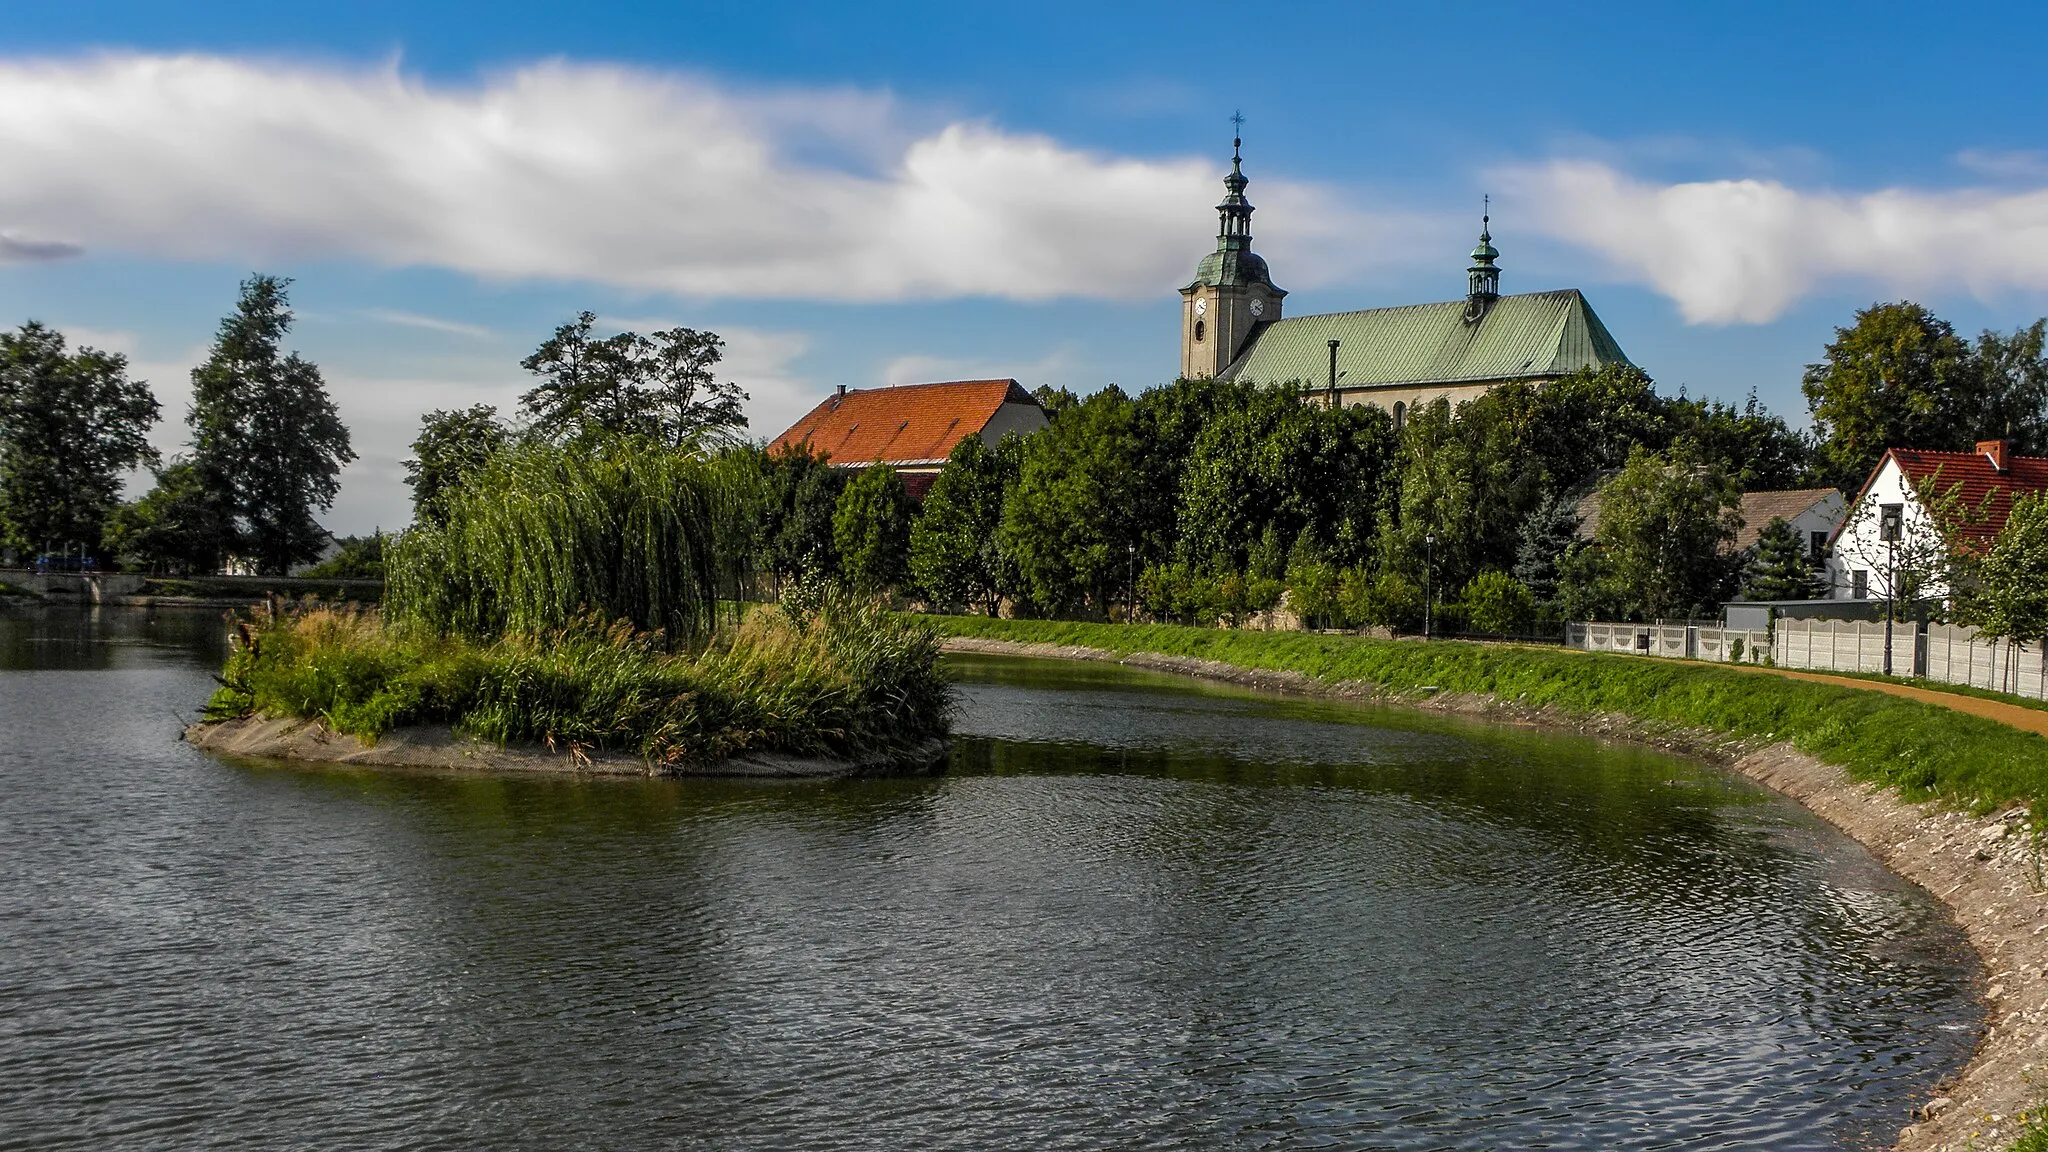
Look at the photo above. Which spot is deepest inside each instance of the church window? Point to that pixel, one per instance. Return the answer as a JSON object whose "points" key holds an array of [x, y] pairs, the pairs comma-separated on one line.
{"points": [[1400, 415], [1201, 328]]}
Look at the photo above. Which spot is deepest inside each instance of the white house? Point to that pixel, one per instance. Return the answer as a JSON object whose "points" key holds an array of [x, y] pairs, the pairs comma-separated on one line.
{"points": [[1863, 565]]}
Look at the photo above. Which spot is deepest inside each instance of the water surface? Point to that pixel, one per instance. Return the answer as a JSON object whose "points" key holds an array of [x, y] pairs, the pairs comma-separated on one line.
{"points": [[1137, 913]]}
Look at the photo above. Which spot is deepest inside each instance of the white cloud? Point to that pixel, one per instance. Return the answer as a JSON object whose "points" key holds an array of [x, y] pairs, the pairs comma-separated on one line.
{"points": [[625, 177], [1743, 251], [429, 323], [1055, 367]]}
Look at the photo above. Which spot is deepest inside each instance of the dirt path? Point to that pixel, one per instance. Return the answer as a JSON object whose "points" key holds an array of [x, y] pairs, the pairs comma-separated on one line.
{"points": [[2025, 719]]}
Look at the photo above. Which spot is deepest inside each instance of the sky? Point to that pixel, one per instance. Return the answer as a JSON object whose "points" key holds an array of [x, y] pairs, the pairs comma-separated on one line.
{"points": [[883, 193]]}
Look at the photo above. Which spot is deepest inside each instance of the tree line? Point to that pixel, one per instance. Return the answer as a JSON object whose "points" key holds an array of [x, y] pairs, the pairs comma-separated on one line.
{"points": [[266, 450], [1204, 500]]}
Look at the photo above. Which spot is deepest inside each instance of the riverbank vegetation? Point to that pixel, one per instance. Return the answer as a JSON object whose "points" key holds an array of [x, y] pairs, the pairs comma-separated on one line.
{"points": [[1924, 751], [849, 681], [581, 582]]}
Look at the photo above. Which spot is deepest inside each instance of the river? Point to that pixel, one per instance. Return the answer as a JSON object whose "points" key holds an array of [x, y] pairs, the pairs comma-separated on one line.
{"points": [[1137, 912]]}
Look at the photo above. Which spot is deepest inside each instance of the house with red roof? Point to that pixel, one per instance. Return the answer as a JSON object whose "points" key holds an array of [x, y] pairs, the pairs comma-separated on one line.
{"points": [[1864, 565], [912, 428]]}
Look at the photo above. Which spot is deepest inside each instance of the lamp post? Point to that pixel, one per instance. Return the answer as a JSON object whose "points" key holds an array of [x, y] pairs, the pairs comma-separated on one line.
{"points": [[1888, 523], [1428, 567]]}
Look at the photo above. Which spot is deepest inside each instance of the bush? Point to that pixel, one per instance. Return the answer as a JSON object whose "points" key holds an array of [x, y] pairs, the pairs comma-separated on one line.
{"points": [[1389, 601], [1497, 603]]}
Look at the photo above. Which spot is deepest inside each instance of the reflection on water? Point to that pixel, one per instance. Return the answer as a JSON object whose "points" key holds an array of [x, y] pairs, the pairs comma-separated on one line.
{"points": [[1138, 913]]}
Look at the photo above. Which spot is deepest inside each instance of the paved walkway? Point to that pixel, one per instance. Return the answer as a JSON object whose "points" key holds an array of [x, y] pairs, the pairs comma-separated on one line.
{"points": [[2027, 719]]}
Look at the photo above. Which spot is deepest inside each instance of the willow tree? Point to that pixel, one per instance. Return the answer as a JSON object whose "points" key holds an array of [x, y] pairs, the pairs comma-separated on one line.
{"points": [[540, 536]]}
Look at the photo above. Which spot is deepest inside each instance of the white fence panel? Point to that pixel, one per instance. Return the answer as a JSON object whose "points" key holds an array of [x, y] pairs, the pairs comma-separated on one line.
{"points": [[1961, 656], [1844, 646]]}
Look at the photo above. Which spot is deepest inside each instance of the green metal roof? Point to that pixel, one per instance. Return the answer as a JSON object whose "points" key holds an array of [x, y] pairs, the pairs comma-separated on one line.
{"points": [[1533, 335]]}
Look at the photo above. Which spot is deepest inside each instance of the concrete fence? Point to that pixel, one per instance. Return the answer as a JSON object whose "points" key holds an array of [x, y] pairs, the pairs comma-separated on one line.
{"points": [[1960, 656], [1677, 641], [1845, 646], [1940, 652]]}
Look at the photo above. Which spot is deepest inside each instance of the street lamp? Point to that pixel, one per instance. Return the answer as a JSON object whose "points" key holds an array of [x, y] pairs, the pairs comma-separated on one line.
{"points": [[1889, 517], [1428, 565]]}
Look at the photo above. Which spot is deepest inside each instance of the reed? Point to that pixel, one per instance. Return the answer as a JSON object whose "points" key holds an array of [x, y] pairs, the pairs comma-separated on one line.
{"points": [[542, 536], [853, 681]]}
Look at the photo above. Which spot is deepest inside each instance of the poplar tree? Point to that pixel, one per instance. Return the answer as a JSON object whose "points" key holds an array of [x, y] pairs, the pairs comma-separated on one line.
{"points": [[267, 442]]}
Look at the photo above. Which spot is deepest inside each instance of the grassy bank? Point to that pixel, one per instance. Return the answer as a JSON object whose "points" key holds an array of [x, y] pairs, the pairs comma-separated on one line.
{"points": [[854, 681], [1923, 750]]}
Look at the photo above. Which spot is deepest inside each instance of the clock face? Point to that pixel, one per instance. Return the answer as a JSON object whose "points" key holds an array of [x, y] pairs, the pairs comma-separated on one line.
{"points": [[1201, 307], [1258, 307]]}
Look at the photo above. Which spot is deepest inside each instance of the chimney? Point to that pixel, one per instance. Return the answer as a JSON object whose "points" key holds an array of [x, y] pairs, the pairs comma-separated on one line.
{"points": [[1997, 451], [840, 396]]}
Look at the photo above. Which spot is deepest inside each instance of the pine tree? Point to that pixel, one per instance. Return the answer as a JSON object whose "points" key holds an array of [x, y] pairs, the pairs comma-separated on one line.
{"points": [[1546, 535], [1780, 569]]}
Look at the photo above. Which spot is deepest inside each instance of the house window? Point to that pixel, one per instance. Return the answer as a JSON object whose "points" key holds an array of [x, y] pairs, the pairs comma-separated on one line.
{"points": [[1817, 545], [1201, 329], [1859, 585], [1400, 415]]}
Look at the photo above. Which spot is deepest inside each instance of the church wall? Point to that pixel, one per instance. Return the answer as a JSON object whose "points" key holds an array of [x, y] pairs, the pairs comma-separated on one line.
{"points": [[1413, 396]]}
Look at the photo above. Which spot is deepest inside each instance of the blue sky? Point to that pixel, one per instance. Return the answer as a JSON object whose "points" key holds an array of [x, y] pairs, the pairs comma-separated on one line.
{"points": [[871, 194]]}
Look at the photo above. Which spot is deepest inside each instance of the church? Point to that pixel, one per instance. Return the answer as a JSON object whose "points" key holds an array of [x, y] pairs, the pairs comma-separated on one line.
{"points": [[1396, 359]]}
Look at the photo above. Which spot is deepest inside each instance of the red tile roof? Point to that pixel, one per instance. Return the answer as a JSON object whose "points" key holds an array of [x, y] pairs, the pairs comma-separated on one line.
{"points": [[1978, 479], [911, 424]]}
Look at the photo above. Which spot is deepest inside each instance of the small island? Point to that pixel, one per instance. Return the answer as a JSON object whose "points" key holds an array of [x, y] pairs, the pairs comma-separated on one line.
{"points": [[582, 610]]}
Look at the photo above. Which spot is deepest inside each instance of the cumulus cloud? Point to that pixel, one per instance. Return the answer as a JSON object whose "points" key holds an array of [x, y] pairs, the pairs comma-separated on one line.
{"points": [[599, 173], [1743, 251]]}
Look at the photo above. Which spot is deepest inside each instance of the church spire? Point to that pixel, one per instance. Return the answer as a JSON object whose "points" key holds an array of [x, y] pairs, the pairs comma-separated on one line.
{"points": [[1234, 215], [1482, 280]]}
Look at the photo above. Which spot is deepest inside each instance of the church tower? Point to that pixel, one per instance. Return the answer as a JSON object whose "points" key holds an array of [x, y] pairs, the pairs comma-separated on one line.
{"points": [[1233, 294], [1482, 279]]}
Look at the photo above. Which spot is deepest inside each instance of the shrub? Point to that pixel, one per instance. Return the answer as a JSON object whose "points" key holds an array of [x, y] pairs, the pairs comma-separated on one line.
{"points": [[1498, 603]]}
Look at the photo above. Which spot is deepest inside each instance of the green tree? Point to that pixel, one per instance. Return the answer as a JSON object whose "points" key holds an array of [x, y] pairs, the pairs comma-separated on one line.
{"points": [[956, 552], [661, 386], [1388, 600], [1074, 512], [1586, 585], [1897, 378], [1497, 603], [2013, 388], [1435, 498], [266, 439], [1756, 449], [1666, 525], [71, 423], [359, 558], [2009, 598], [176, 527], [452, 444], [871, 530], [800, 494], [1781, 568]]}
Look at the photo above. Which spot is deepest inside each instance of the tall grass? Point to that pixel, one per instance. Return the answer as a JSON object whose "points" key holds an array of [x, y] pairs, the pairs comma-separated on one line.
{"points": [[853, 681], [1922, 749], [542, 536]]}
